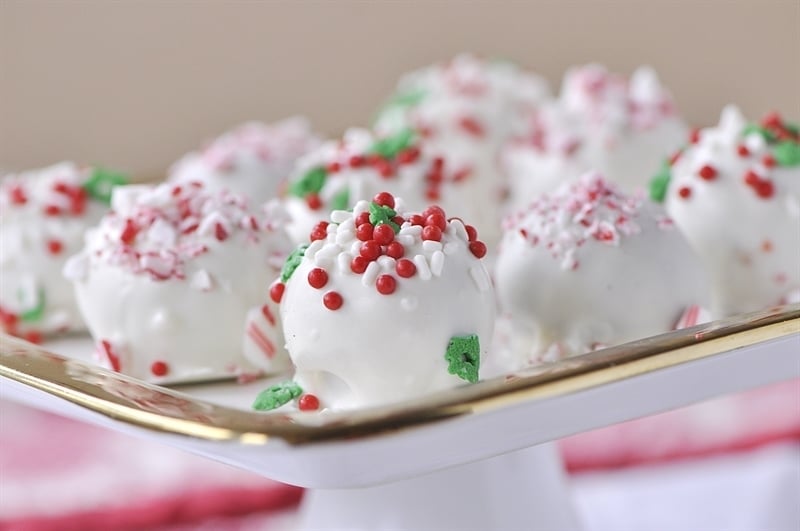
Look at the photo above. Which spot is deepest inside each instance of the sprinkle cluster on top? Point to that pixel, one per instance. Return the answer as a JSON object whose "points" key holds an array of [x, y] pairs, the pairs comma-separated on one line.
{"points": [[64, 191], [762, 147], [155, 231], [591, 209], [380, 243], [383, 158], [281, 142]]}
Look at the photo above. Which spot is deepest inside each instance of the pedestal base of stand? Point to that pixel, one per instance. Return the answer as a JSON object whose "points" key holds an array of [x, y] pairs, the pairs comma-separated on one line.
{"points": [[522, 490]]}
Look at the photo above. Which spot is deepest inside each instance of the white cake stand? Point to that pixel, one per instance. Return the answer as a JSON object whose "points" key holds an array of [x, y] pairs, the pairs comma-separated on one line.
{"points": [[477, 457]]}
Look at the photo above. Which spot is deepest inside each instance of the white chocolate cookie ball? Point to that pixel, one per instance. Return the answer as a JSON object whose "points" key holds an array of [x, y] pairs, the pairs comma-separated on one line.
{"points": [[623, 128], [589, 266], [383, 306], [734, 191], [254, 160], [43, 216], [165, 283]]}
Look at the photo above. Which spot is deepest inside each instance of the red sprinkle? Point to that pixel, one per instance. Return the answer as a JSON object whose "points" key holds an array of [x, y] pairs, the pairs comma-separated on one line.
{"points": [[675, 156], [432, 232], [52, 210], [111, 356], [55, 246], [384, 199], [332, 300], [472, 232], [365, 231], [386, 284], [356, 161], [406, 268], [370, 250], [333, 167], [308, 402], [220, 233], [395, 250], [313, 201], [34, 337], [751, 178], [685, 192], [383, 234], [276, 292], [408, 156], [129, 232], [432, 194], [765, 189], [358, 264], [433, 209], [17, 194], [159, 368], [437, 220], [471, 126], [768, 161], [709, 173], [743, 151], [478, 248], [362, 218], [694, 136], [384, 168], [417, 219], [320, 231], [317, 278]]}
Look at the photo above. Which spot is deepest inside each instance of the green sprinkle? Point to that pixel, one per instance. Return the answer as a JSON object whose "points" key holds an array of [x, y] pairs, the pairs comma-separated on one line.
{"points": [[35, 313], [292, 262], [277, 395], [340, 200], [464, 357], [787, 153], [409, 98], [794, 129], [101, 182], [660, 182], [390, 146], [310, 183], [382, 214], [768, 135]]}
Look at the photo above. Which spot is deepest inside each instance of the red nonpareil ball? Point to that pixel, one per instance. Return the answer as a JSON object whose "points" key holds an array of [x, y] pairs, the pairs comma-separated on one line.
{"points": [[332, 300], [276, 292], [308, 402], [384, 199], [478, 248], [159, 368], [365, 231], [432, 232], [395, 250], [358, 264], [386, 284], [383, 234], [317, 278], [406, 268], [320, 231], [370, 250]]}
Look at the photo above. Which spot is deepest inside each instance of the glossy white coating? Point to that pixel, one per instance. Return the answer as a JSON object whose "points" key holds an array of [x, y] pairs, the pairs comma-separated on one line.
{"points": [[587, 267], [165, 282]]}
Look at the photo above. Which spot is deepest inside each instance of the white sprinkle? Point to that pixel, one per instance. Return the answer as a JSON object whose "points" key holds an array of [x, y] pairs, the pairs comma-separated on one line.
{"points": [[361, 206], [162, 234], [480, 277], [451, 248], [437, 263], [430, 246], [348, 224], [344, 236], [409, 304], [387, 263], [312, 249], [413, 230], [459, 229], [340, 216], [369, 276], [355, 248], [422, 267], [343, 261], [201, 280], [326, 255], [406, 240]]}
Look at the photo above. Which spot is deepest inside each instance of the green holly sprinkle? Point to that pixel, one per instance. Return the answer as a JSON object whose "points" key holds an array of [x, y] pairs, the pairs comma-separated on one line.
{"points": [[390, 146], [382, 214], [37, 312], [277, 395], [787, 153], [464, 357], [101, 182], [292, 262], [660, 182], [341, 200], [765, 133], [409, 98], [311, 182]]}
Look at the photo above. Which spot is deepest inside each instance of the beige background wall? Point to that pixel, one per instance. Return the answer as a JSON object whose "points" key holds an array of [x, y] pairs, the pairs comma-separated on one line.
{"points": [[133, 85]]}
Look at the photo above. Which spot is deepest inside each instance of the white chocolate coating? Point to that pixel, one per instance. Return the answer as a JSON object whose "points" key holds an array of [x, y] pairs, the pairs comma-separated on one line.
{"points": [[43, 216], [252, 161], [378, 348], [748, 235], [622, 128], [167, 279], [588, 267]]}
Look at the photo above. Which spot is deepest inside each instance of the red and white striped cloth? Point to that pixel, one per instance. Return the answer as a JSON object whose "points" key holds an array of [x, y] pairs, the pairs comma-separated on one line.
{"points": [[58, 474]]}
